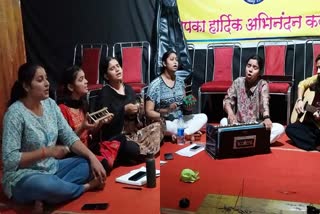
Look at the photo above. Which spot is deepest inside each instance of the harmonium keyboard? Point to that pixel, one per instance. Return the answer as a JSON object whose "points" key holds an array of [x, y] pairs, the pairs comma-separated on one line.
{"points": [[239, 140]]}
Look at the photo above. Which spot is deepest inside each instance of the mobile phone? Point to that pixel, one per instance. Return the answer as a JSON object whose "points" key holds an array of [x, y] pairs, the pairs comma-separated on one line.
{"points": [[168, 156], [95, 206], [195, 147], [137, 176]]}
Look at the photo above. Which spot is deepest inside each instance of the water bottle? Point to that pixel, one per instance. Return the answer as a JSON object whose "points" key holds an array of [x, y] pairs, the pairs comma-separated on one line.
{"points": [[180, 130], [151, 170]]}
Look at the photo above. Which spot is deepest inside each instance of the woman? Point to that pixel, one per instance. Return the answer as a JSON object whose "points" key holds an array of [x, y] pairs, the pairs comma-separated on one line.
{"points": [[165, 97], [34, 170], [250, 96], [74, 109], [121, 100]]}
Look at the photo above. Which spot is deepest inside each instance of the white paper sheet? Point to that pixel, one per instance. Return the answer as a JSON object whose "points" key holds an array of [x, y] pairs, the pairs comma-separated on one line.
{"points": [[163, 162], [187, 152], [140, 182]]}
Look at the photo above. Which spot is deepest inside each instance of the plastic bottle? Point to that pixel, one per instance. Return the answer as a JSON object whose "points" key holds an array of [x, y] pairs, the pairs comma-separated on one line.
{"points": [[151, 171], [180, 130]]}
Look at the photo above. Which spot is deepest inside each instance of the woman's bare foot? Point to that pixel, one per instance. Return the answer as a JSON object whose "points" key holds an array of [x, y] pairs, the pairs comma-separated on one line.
{"points": [[94, 184], [194, 137], [174, 138], [38, 207]]}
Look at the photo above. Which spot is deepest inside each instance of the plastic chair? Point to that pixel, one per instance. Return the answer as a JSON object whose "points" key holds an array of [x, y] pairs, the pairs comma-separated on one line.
{"points": [[276, 72], [89, 56], [192, 52], [220, 58], [135, 58], [311, 51]]}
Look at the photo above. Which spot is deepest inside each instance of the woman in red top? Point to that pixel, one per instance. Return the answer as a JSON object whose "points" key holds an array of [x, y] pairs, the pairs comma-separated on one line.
{"points": [[74, 109]]}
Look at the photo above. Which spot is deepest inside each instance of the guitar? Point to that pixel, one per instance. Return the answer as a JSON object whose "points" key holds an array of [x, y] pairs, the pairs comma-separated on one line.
{"points": [[307, 101]]}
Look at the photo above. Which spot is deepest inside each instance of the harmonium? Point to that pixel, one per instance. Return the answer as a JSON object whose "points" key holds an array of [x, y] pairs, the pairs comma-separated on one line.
{"points": [[239, 140]]}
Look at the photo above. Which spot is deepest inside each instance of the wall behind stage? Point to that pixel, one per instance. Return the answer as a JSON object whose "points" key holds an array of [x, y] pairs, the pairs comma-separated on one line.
{"points": [[53, 28]]}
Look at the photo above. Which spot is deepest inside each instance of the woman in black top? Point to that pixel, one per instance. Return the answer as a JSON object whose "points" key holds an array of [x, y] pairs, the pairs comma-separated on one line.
{"points": [[121, 100]]}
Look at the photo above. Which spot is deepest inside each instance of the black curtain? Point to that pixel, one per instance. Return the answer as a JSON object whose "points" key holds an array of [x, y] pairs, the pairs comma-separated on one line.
{"points": [[53, 28]]}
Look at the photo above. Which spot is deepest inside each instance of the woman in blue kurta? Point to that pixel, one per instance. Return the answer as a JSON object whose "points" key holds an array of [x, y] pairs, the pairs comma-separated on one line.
{"points": [[34, 170], [165, 99]]}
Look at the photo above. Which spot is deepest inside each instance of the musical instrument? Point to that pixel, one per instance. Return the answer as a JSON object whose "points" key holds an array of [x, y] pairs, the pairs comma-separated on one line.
{"points": [[237, 140], [99, 115], [189, 100], [307, 101]]}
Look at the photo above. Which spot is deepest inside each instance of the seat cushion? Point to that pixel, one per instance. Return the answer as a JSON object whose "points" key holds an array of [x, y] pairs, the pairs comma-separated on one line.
{"points": [[279, 87], [137, 87], [216, 86], [93, 87]]}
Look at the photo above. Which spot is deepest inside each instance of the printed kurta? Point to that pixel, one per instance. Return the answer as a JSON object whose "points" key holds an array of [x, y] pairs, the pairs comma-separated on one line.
{"points": [[250, 103], [23, 131]]}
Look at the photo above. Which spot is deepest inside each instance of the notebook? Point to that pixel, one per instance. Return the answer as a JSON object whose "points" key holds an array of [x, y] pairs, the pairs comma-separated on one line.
{"points": [[143, 180]]}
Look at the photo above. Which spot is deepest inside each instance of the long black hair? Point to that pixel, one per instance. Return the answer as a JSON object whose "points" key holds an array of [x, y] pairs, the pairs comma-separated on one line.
{"points": [[104, 65], [26, 73], [70, 76]]}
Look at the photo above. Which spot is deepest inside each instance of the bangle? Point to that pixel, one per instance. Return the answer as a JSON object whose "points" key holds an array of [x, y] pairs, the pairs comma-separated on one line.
{"points": [[299, 99], [266, 117], [43, 153]]}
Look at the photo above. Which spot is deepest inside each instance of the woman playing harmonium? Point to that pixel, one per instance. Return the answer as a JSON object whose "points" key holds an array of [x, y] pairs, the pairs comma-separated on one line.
{"points": [[249, 95], [166, 98]]}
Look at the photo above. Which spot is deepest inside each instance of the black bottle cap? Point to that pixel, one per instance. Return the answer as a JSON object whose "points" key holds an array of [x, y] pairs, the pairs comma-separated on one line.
{"points": [[149, 155]]}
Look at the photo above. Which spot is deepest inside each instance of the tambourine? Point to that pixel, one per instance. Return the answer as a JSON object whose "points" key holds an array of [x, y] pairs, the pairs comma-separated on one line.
{"points": [[99, 115]]}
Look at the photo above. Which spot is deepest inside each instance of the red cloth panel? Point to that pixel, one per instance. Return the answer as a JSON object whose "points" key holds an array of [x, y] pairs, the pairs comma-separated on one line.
{"points": [[132, 64], [275, 58], [223, 59], [90, 64]]}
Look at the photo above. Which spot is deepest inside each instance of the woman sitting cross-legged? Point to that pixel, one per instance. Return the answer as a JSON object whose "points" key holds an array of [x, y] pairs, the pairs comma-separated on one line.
{"points": [[247, 100], [34, 170], [121, 100], [165, 98], [74, 108]]}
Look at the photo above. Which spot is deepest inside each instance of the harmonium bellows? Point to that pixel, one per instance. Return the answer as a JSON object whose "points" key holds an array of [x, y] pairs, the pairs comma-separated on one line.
{"points": [[237, 141]]}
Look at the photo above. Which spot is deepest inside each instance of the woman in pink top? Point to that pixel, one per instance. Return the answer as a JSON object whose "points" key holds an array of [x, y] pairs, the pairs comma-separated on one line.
{"points": [[247, 99]]}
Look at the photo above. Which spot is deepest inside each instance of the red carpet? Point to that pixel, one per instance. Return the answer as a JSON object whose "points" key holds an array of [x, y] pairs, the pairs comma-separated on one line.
{"points": [[287, 174], [120, 200]]}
